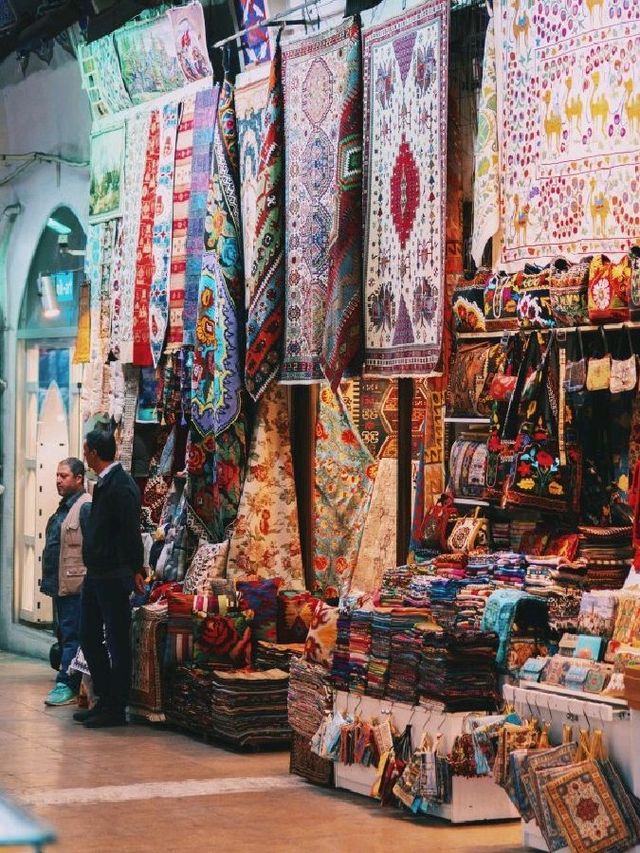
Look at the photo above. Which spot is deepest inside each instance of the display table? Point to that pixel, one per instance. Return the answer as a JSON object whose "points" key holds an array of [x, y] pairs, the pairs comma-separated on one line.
{"points": [[560, 706], [472, 799]]}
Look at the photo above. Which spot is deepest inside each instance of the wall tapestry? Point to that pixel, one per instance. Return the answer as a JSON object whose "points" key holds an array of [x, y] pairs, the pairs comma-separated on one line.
{"points": [[569, 127], [266, 282], [163, 218], [373, 407], [204, 118], [345, 474], [266, 536], [107, 160], [181, 197], [405, 121], [102, 78], [191, 41], [315, 80]]}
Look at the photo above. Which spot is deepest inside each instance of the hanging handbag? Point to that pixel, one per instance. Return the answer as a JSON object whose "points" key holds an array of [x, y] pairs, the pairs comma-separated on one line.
{"points": [[623, 371], [435, 526], [534, 304], [468, 467], [496, 365], [609, 289], [569, 292], [575, 372], [599, 370], [501, 297], [470, 533], [467, 379], [468, 303]]}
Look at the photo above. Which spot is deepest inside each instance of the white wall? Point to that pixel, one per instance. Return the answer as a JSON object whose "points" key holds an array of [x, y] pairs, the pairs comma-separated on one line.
{"points": [[47, 112]]}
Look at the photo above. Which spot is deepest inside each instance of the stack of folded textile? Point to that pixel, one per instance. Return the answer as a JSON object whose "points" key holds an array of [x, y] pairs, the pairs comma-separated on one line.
{"points": [[501, 535], [443, 601], [395, 583], [403, 666], [276, 655], [359, 649], [481, 565], [340, 661], [470, 604], [452, 566], [608, 554], [518, 530], [419, 592], [459, 669], [378, 666], [249, 709], [309, 696], [188, 699], [510, 568]]}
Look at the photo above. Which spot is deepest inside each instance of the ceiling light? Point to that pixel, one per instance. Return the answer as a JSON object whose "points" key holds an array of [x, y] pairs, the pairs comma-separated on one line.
{"points": [[57, 226]]}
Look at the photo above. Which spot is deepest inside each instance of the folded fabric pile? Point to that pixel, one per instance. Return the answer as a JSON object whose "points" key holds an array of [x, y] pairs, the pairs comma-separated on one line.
{"points": [[276, 655], [451, 565], [443, 601], [470, 604], [519, 530], [459, 669], [481, 565], [501, 535], [406, 648], [148, 637], [385, 626], [419, 591], [309, 696], [249, 709], [394, 586], [359, 649], [510, 568], [340, 661], [608, 554], [188, 699]]}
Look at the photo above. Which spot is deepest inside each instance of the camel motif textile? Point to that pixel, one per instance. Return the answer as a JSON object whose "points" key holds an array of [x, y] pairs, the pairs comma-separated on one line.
{"points": [[568, 75], [405, 175]]}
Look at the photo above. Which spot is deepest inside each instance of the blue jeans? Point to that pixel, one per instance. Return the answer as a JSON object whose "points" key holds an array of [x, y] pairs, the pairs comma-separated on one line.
{"points": [[68, 610]]}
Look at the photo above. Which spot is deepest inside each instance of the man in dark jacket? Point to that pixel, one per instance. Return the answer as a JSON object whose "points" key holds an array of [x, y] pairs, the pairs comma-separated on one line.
{"points": [[113, 554], [63, 571]]}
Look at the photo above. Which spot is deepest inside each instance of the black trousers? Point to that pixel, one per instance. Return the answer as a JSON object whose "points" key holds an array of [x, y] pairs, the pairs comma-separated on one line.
{"points": [[105, 609]]}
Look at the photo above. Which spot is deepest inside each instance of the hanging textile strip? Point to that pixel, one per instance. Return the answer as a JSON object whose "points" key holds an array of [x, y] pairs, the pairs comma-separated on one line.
{"points": [[486, 185], [102, 78], [345, 474], [116, 291], [109, 238], [568, 129], [405, 121], [377, 550], [92, 271], [125, 444], [266, 286], [82, 351], [135, 161], [191, 41], [204, 118], [315, 79], [266, 536], [163, 217], [181, 197], [144, 257], [342, 341], [251, 93]]}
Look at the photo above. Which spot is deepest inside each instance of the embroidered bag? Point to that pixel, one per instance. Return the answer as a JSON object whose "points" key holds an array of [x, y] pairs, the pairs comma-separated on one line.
{"points": [[569, 292], [599, 370], [575, 372], [623, 371], [501, 297], [534, 305], [470, 533], [496, 366], [609, 289], [467, 379], [468, 303], [433, 532]]}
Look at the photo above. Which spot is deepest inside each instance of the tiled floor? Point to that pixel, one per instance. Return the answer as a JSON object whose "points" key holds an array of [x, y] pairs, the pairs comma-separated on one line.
{"points": [[232, 802]]}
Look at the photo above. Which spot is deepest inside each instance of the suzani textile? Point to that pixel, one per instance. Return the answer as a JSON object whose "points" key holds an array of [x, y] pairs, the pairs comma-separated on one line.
{"points": [[345, 474], [318, 93], [266, 536], [405, 122], [266, 283], [163, 218], [568, 127]]}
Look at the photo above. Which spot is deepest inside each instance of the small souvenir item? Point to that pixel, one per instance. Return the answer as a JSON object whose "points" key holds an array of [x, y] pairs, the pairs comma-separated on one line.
{"points": [[588, 648], [609, 289], [532, 669]]}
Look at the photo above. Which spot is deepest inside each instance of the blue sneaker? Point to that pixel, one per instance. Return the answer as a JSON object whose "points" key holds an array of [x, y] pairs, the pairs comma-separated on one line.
{"points": [[61, 695]]}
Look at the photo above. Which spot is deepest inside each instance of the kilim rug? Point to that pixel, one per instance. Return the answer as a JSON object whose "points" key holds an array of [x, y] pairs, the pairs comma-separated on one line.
{"points": [[345, 474], [135, 161], [568, 127], [317, 92], [163, 218], [372, 405], [144, 256], [266, 281], [204, 117], [181, 197], [266, 536], [148, 636], [405, 120]]}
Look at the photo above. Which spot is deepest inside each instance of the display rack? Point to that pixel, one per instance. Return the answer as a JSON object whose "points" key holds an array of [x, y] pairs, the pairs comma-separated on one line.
{"points": [[477, 799], [569, 330]]}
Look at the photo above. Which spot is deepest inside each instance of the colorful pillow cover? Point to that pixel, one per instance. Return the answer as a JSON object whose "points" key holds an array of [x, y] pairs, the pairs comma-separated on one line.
{"points": [[260, 597], [295, 613], [222, 642], [322, 636], [209, 561]]}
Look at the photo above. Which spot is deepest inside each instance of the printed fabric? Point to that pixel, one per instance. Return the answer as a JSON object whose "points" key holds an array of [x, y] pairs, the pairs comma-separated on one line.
{"points": [[318, 91], [266, 536], [266, 284], [82, 352], [378, 546], [568, 128], [191, 41], [102, 78], [405, 174], [163, 217], [345, 474]]}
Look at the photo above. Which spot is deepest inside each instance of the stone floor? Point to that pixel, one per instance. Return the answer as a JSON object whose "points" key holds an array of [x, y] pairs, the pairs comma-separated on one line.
{"points": [[149, 789]]}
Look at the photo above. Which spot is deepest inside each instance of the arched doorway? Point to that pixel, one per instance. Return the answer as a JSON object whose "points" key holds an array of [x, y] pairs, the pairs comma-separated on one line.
{"points": [[48, 386]]}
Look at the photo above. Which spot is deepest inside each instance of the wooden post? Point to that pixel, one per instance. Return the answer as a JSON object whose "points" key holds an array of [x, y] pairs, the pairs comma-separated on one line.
{"points": [[403, 497], [304, 411]]}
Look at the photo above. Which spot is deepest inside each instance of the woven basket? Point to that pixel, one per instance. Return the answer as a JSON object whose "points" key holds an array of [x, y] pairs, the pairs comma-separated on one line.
{"points": [[307, 764]]}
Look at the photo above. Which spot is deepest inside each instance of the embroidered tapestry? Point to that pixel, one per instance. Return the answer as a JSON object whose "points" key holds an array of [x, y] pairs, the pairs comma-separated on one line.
{"points": [[486, 182], [181, 198], [266, 283], [405, 160], [144, 255], [116, 291], [266, 536], [191, 41], [256, 45], [135, 162], [345, 474], [378, 546], [102, 78], [568, 128], [127, 428], [204, 117], [163, 217], [317, 89]]}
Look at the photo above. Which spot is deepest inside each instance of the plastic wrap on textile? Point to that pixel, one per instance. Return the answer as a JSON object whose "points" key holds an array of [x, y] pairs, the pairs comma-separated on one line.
{"points": [[345, 474], [378, 546], [405, 173], [102, 78], [266, 536], [148, 636]]}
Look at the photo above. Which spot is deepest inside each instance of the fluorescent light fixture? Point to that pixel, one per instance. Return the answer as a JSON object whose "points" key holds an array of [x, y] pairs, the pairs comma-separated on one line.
{"points": [[58, 227], [47, 291]]}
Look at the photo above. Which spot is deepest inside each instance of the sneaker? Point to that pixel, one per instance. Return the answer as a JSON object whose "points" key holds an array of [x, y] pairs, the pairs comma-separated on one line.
{"points": [[106, 719], [60, 695], [83, 716]]}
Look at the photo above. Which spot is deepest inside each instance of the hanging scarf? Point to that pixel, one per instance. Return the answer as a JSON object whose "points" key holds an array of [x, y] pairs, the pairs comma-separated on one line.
{"points": [[265, 321]]}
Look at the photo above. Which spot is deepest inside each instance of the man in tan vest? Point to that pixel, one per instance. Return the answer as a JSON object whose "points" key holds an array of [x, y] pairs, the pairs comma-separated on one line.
{"points": [[63, 571]]}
